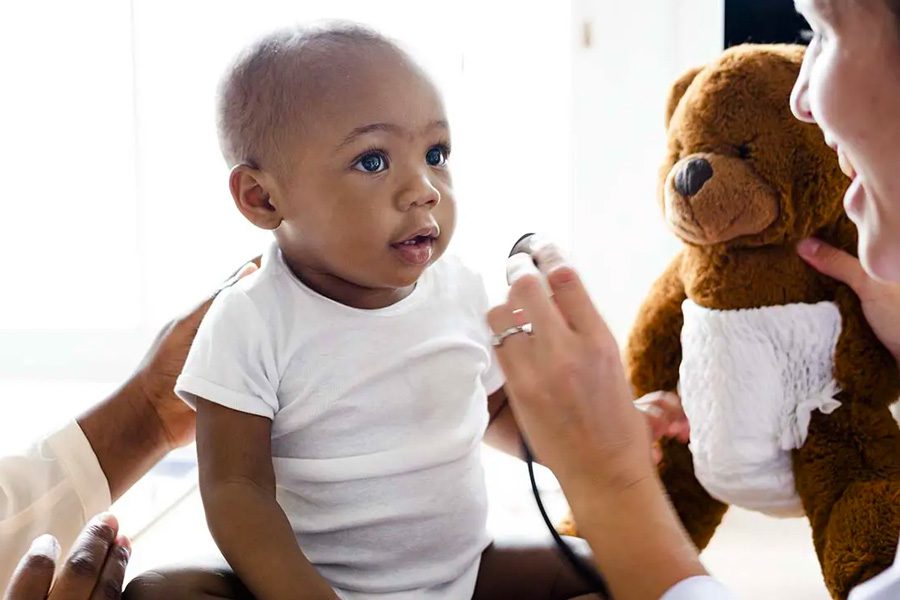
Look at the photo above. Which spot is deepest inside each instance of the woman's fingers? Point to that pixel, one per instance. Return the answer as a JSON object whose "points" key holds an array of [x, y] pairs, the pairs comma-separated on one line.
{"points": [[33, 576], [529, 295], [82, 569], [110, 583], [575, 303], [515, 350], [835, 263]]}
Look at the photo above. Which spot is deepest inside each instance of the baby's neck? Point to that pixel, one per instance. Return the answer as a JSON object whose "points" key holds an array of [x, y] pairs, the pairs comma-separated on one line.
{"points": [[346, 292]]}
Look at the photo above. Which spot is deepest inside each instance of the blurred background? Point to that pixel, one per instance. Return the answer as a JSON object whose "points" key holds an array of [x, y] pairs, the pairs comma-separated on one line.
{"points": [[116, 215]]}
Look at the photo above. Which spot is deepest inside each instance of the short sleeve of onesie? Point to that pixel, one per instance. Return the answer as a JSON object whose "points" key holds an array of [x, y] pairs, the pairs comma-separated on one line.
{"points": [[492, 378], [232, 361]]}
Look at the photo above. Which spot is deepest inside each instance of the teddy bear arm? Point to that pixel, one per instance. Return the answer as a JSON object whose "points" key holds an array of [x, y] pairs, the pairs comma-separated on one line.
{"points": [[653, 354], [699, 512], [847, 475]]}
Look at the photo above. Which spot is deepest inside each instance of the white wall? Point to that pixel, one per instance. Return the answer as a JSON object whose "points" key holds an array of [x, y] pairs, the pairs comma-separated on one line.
{"points": [[638, 48], [116, 211], [503, 67], [117, 214]]}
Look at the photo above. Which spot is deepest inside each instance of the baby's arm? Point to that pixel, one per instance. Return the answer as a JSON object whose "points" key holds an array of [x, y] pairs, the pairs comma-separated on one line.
{"points": [[663, 411], [502, 430], [237, 484]]}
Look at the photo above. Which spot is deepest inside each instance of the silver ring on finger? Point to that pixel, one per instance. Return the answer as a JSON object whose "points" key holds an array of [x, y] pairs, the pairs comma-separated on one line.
{"points": [[498, 338]]}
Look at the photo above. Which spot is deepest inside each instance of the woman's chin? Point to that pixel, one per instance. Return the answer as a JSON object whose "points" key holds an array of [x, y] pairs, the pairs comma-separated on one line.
{"points": [[880, 256], [879, 234]]}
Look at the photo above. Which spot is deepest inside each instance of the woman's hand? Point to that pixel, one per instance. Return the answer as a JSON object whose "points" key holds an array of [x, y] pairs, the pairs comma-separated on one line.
{"points": [[94, 569], [163, 362], [567, 386], [880, 299], [568, 391]]}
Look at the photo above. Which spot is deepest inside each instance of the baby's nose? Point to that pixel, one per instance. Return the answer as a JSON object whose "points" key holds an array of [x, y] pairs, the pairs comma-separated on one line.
{"points": [[692, 176]]}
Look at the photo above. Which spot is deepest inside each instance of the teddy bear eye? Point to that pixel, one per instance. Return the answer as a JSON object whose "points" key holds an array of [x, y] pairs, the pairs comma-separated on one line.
{"points": [[744, 151]]}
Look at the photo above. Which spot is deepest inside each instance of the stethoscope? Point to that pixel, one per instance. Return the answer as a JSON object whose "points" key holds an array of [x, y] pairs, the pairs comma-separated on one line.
{"points": [[528, 244]]}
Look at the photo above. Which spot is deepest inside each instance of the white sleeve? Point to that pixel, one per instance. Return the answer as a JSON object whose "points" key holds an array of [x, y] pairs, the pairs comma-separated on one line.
{"points": [[54, 487], [232, 361], [885, 586], [701, 587], [492, 377]]}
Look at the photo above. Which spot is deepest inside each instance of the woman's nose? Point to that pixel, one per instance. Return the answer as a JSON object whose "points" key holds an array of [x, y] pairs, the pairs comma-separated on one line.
{"points": [[800, 99]]}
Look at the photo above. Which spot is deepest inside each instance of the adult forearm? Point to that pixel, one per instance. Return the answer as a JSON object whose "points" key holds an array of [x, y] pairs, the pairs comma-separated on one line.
{"points": [[256, 538], [127, 436], [637, 539]]}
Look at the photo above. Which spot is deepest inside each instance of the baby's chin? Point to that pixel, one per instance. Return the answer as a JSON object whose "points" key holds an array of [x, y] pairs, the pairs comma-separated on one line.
{"points": [[405, 276]]}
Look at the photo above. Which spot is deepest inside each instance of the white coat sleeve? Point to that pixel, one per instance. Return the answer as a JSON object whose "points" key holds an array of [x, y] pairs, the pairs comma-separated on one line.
{"points": [[885, 586], [701, 587], [54, 487]]}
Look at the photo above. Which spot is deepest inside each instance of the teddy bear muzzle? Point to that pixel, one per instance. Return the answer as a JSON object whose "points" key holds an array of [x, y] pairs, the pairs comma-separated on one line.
{"points": [[700, 205]]}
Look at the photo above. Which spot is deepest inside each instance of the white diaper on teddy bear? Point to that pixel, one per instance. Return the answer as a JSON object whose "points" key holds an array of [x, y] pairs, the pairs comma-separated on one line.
{"points": [[749, 382]]}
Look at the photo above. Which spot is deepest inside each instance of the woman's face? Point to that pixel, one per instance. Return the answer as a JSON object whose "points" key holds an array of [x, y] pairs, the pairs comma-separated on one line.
{"points": [[850, 86]]}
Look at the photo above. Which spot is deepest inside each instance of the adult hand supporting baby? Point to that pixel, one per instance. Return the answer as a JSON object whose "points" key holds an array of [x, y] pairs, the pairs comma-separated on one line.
{"points": [[880, 300], [569, 394], [94, 569], [143, 420]]}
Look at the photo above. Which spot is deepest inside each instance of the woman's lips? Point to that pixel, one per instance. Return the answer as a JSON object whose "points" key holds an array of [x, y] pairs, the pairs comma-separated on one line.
{"points": [[844, 161], [846, 165]]}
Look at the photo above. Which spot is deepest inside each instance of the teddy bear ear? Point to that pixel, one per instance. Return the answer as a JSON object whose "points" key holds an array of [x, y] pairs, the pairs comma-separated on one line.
{"points": [[678, 90]]}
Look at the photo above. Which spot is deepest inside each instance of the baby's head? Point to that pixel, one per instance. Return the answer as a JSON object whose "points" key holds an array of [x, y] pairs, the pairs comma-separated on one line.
{"points": [[338, 142]]}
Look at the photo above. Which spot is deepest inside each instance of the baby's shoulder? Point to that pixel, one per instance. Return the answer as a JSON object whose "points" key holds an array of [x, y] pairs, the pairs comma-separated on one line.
{"points": [[256, 298]]}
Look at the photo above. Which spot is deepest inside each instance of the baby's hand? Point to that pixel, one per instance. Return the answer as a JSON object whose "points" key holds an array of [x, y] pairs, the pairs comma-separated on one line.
{"points": [[665, 418]]}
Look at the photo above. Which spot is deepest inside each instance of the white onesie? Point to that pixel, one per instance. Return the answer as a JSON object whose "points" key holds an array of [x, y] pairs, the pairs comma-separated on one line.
{"points": [[377, 421], [749, 382]]}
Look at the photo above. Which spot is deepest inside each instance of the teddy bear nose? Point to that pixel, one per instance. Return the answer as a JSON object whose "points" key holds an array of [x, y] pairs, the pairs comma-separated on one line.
{"points": [[693, 174]]}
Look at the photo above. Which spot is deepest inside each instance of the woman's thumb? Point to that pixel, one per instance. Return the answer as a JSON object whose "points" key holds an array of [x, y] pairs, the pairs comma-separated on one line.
{"points": [[830, 261]]}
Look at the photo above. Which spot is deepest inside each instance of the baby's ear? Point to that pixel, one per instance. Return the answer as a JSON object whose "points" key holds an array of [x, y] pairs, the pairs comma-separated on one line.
{"points": [[251, 190], [678, 91]]}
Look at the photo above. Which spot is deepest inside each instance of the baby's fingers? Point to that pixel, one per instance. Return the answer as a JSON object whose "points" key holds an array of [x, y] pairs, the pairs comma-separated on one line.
{"points": [[665, 415]]}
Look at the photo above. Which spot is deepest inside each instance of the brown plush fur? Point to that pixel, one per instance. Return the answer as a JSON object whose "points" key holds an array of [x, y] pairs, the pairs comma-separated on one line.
{"points": [[735, 113]]}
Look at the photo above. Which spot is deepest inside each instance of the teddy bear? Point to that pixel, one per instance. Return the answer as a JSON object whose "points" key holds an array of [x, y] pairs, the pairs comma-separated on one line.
{"points": [[785, 386]]}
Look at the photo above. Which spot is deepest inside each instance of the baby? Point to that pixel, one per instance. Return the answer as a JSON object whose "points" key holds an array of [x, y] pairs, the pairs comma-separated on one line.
{"points": [[343, 391]]}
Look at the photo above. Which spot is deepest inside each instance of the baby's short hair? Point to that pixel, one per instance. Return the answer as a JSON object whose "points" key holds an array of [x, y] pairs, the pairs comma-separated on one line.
{"points": [[258, 96]]}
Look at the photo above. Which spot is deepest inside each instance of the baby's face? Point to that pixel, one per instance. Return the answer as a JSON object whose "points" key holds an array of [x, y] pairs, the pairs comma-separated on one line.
{"points": [[366, 197], [850, 86]]}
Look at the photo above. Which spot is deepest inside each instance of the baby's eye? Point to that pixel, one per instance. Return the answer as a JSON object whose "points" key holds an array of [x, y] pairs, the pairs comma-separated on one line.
{"points": [[436, 156], [373, 162]]}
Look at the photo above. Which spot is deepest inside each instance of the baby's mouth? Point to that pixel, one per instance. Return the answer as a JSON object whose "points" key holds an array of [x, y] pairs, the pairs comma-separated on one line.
{"points": [[417, 250]]}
